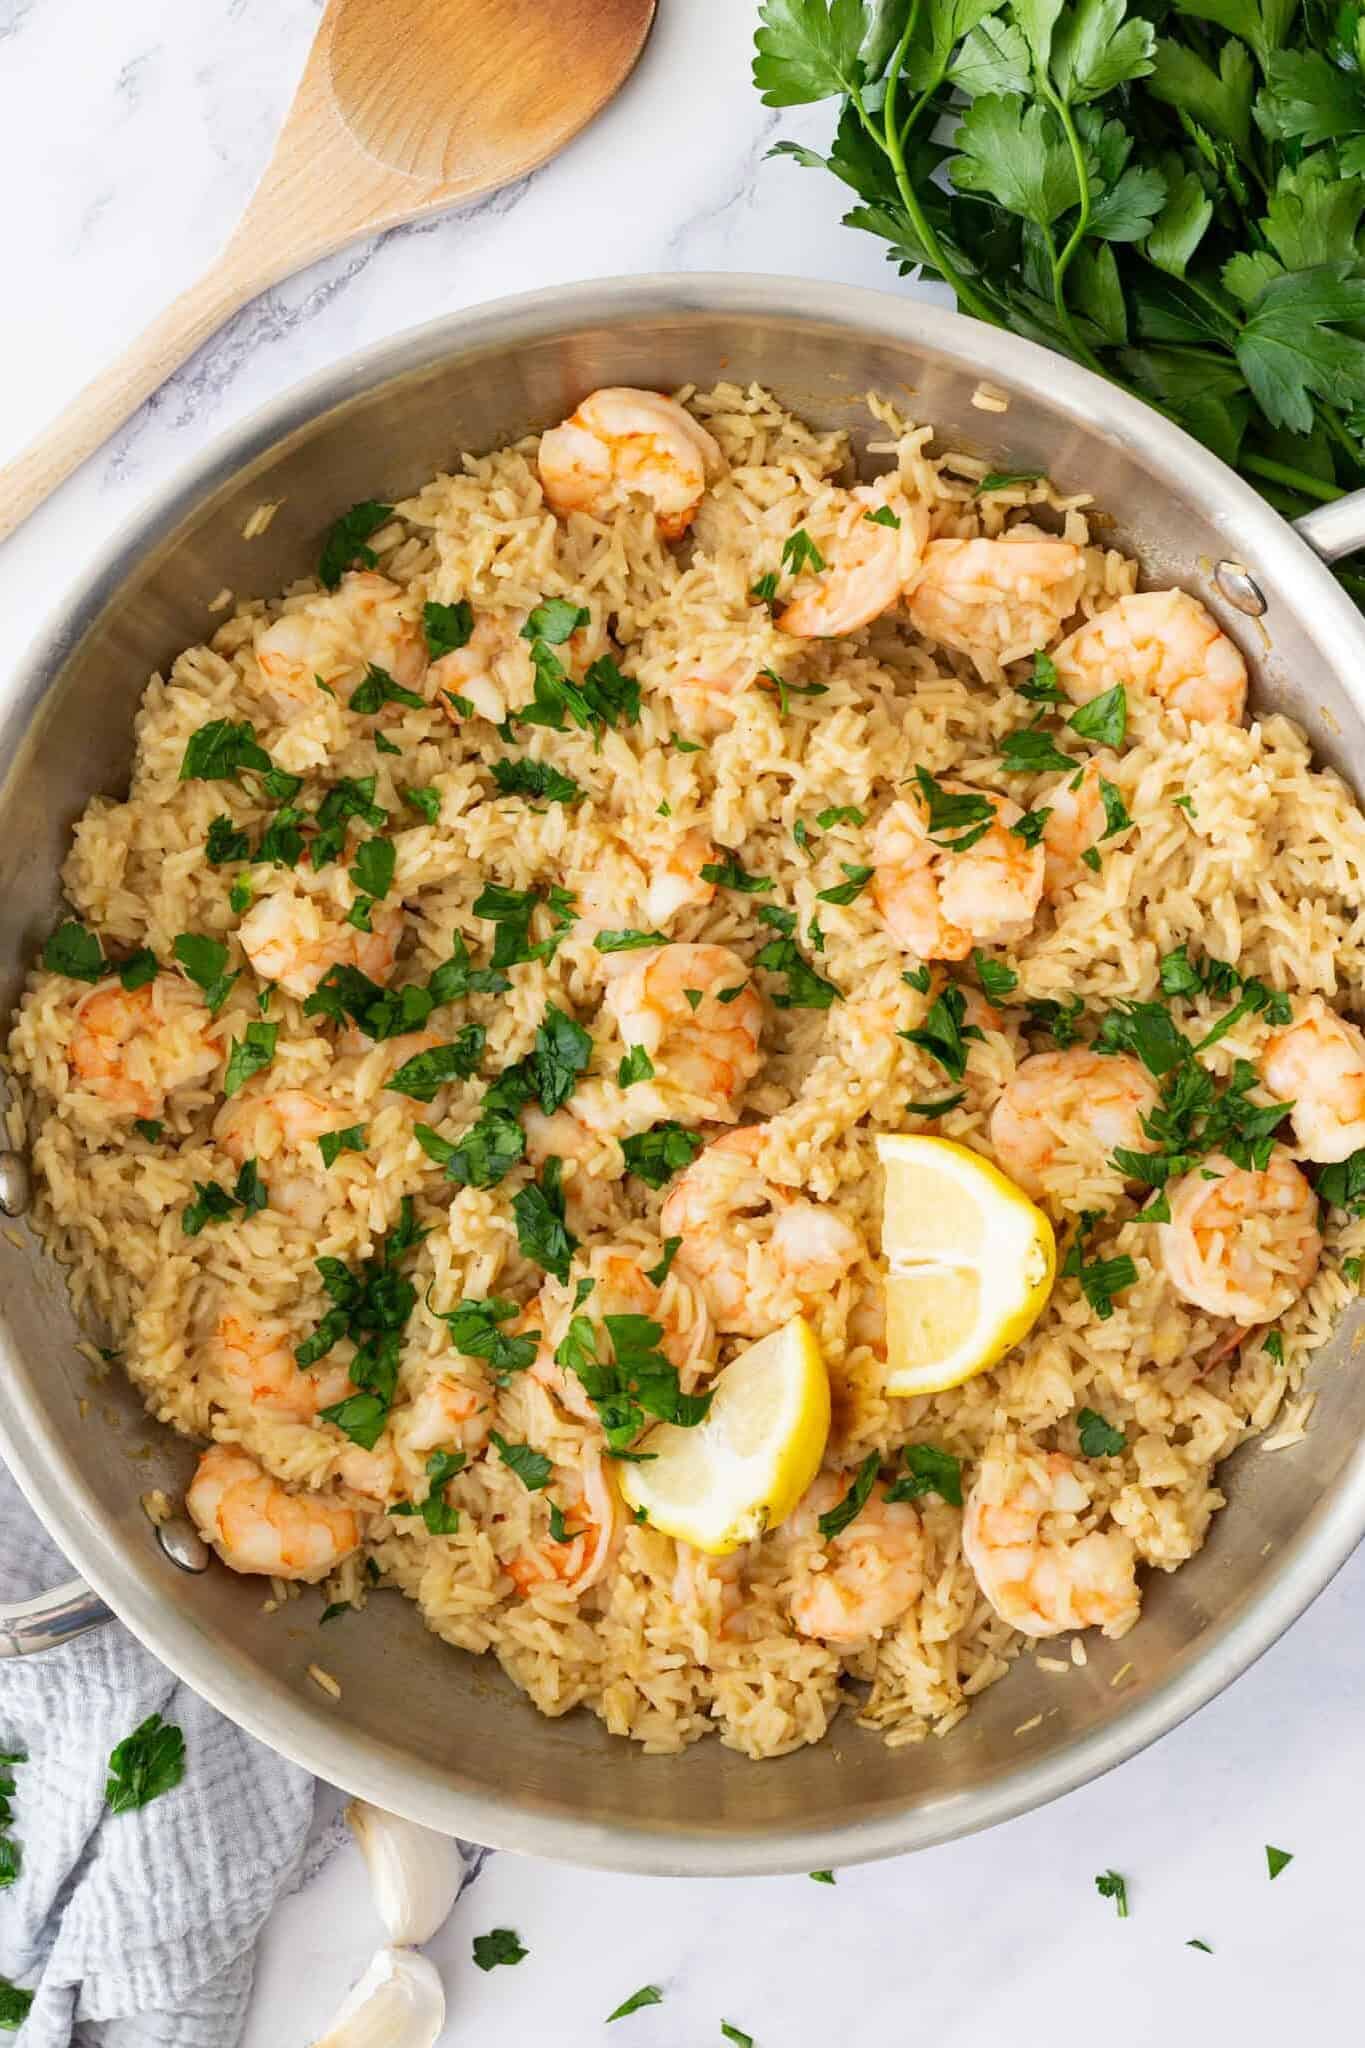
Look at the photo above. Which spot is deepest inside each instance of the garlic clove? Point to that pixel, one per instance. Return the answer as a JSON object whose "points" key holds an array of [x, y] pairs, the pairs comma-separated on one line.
{"points": [[398, 2003], [415, 1873]]}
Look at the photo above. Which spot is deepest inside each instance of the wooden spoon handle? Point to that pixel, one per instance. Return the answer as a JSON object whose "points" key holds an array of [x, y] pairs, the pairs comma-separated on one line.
{"points": [[109, 399]]}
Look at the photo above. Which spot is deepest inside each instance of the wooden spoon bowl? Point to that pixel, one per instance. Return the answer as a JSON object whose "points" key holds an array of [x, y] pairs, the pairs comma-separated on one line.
{"points": [[405, 108]]}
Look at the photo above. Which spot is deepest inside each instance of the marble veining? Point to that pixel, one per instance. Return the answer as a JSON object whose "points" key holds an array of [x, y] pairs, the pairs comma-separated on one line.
{"points": [[133, 137]]}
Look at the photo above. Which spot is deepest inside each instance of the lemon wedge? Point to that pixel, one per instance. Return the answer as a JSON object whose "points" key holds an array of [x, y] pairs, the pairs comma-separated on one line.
{"points": [[971, 1262], [743, 1469]]}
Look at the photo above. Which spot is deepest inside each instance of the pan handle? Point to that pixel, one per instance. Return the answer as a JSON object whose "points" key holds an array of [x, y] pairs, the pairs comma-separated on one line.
{"points": [[1334, 530], [30, 1626]]}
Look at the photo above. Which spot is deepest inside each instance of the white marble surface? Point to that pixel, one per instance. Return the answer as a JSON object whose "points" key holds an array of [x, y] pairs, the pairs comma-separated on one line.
{"points": [[129, 138]]}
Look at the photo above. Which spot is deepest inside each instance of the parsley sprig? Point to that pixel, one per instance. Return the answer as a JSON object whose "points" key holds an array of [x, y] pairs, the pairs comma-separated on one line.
{"points": [[1169, 196]]}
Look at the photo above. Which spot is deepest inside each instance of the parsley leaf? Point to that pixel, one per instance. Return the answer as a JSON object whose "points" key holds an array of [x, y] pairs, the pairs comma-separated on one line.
{"points": [[628, 941], [1030, 750], [1277, 1860], [435, 1511], [555, 620], [728, 874], [944, 1034], [636, 1066], [656, 1275], [800, 552], [426, 1072], [512, 911], [378, 689], [560, 1054], [331, 1144], [1099, 1439], [846, 892], [997, 980], [965, 812], [542, 1232], [655, 1155], [1103, 719], [1100, 1279], [928, 1470], [1007, 480], [427, 801], [1110, 1885], [525, 777], [532, 1467], [501, 1946], [205, 962], [74, 951], [346, 540], [837, 1518], [145, 1764], [476, 1329], [249, 1055], [648, 1994], [447, 627]]}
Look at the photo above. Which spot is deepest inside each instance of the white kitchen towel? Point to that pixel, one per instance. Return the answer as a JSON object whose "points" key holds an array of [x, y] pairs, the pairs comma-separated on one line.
{"points": [[134, 1930]]}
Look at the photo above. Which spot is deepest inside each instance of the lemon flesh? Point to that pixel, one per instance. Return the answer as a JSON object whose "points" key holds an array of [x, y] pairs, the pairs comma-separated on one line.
{"points": [[971, 1262], [744, 1468]]}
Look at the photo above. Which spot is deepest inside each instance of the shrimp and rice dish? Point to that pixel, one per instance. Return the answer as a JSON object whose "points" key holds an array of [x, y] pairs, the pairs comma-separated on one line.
{"points": [[538, 971]]}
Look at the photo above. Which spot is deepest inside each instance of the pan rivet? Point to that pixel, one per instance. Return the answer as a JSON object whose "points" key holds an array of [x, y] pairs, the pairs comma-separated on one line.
{"points": [[14, 1184], [183, 1544], [1240, 588]]}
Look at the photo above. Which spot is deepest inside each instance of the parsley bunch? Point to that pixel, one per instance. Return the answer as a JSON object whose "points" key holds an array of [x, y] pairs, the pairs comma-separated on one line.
{"points": [[1175, 203]]}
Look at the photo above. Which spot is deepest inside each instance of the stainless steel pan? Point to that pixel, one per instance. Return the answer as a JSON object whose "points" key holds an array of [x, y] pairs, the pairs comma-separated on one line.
{"points": [[420, 1728]]}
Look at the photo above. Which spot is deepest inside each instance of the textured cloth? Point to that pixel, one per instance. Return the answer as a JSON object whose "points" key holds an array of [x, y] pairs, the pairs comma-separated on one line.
{"points": [[135, 1930]]}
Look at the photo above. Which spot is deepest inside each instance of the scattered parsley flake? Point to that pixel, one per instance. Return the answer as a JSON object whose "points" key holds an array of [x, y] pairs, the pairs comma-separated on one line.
{"points": [[1110, 1885], [499, 1946], [145, 1764]]}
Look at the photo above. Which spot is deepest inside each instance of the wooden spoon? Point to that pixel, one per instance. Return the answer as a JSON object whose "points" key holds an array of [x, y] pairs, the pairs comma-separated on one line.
{"points": [[404, 107]]}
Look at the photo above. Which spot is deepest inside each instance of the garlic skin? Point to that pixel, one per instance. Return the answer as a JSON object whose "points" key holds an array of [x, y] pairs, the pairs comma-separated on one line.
{"points": [[398, 2003], [415, 1874]]}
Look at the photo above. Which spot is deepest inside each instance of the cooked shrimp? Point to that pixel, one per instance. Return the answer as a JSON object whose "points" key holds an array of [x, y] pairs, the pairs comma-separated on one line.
{"points": [[592, 1519], [280, 1131], [131, 1048], [257, 1525], [866, 1577], [334, 638], [1318, 1064], [1003, 599], [1077, 820], [622, 442], [292, 937], [493, 671], [676, 882], [939, 903], [704, 1051], [759, 1253], [867, 563], [452, 1411], [1245, 1244], [1063, 1114], [1162, 642], [1024, 1536], [708, 701], [255, 1357], [372, 1474]]}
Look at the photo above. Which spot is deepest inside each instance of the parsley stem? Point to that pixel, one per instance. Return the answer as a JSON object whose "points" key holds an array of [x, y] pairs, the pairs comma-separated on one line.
{"points": [[1061, 264], [1294, 479], [891, 142]]}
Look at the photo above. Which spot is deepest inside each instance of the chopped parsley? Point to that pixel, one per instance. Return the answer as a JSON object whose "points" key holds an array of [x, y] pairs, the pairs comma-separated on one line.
{"points": [[939, 1108], [628, 940], [820, 1876], [943, 1034], [638, 1382], [655, 1155], [1042, 687], [997, 980], [1100, 1279], [765, 589], [928, 1470], [846, 892], [1342, 1185], [501, 1946], [560, 1054], [1059, 1020], [532, 1467], [1008, 480], [1031, 825], [436, 1512], [447, 627], [840, 814], [854, 1501], [74, 951], [486, 1153], [525, 777], [427, 801], [554, 620], [426, 1072], [1099, 1439], [605, 698], [378, 688], [784, 691], [149, 1128], [221, 751], [225, 842], [1277, 1860], [371, 1305], [145, 1764], [542, 1233], [806, 990], [1103, 719], [883, 516], [333, 1143], [636, 1066], [214, 1204], [728, 874], [1116, 817], [656, 1275], [1030, 750], [205, 962], [800, 552], [476, 1330], [249, 1054], [512, 911], [346, 540], [1200, 1945], [648, 1994], [965, 813], [1110, 1885]]}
